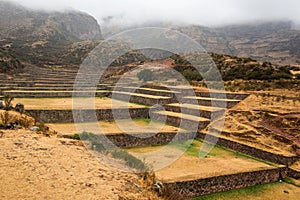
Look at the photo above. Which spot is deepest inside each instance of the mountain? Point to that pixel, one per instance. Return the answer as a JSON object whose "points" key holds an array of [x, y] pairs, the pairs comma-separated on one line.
{"points": [[8, 63], [275, 41], [39, 37]]}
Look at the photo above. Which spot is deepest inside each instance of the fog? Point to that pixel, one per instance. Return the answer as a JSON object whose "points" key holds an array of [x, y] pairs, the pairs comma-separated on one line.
{"points": [[200, 12]]}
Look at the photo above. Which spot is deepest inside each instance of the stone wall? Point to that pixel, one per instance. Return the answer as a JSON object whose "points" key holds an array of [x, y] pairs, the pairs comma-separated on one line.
{"points": [[293, 173], [55, 94], [208, 114], [66, 116], [212, 185], [258, 153], [139, 140], [142, 99], [228, 95]]}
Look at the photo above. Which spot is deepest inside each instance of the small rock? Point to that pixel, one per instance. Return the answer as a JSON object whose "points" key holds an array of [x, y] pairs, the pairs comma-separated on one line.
{"points": [[46, 134], [286, 192], [298, 152], [43, 149], [1, 134], [88, 185], [18, 143], [34, 128], [18, 127], [60, 135]]}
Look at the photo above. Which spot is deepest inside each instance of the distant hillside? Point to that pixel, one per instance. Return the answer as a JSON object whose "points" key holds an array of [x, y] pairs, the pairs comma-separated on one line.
{"points": [[232, 68], [8, 63], [39, 37], [276, 41]]}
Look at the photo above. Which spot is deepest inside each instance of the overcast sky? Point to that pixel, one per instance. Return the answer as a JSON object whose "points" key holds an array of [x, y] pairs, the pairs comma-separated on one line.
{"points": [[202, 12]]}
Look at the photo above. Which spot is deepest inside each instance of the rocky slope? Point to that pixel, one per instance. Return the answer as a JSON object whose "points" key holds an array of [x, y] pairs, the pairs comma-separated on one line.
{"points": [[8, 63], [39, 37], [275, 41]]}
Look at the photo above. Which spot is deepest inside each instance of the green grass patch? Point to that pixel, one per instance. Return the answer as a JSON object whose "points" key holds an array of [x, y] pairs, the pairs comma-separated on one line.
{"points": [[292, 181], [240, 193], [192, 148], [239, 154]]}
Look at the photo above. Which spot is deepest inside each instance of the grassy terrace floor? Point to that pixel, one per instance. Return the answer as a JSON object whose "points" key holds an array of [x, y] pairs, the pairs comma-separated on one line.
{"points": [[189, 166], [66, 103], [140, 126], [273, 191]]}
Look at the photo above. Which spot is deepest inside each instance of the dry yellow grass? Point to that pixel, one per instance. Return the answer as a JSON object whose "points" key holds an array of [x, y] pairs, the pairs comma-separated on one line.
{"points": [[34, 167], [67, 103], [189, 166], [243, 122], [116, 127]]}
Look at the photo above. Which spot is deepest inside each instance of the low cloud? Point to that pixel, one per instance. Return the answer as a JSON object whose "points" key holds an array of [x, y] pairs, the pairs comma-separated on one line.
{"points": [[201, 12]]}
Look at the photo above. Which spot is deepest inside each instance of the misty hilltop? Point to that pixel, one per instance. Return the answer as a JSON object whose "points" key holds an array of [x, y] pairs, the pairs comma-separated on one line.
{"points": [[272, 41], [41, 37], [64, 38], [42, 25]]}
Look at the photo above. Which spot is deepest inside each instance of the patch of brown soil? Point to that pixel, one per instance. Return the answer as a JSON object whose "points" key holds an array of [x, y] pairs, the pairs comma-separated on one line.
{"points": [[33, 167], [250, 123]]}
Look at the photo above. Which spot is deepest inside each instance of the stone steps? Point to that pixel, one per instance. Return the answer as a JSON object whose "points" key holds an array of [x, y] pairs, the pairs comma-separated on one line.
{"points": [[205, 101], [148, 91], [53, 94], [192, 109], [145, 99], [185, 121]]}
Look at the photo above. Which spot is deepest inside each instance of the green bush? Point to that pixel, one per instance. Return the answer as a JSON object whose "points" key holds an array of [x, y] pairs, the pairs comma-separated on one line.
{"points": [[145, 75], [93, 139], [129, 159]]}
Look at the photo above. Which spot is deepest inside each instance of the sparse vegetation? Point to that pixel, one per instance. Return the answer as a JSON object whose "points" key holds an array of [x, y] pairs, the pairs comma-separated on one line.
{"points": [[6, 118], [145, 75], [96, 144], [129, 159], [8, 102]]}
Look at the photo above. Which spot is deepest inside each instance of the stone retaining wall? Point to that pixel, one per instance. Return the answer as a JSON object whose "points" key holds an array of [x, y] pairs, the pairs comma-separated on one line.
{"points": [[66, 116], [140, 140], [293, 173], [55, 94], [206, 186], [258, 153]]}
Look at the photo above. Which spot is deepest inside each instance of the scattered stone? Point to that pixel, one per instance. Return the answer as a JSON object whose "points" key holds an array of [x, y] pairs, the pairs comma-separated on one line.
{"points": [[34, 128], [43, 149], [298, 152], [60, 135], [1, 134], [158, 187], [88, 185], [19, 107], [18, 143], [18, 127], [286, 192], [136, 185], [46, 134]]}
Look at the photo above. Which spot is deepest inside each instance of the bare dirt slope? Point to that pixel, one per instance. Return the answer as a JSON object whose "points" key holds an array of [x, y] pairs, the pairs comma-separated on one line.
{"points": [[35, 167], [269, 122]]}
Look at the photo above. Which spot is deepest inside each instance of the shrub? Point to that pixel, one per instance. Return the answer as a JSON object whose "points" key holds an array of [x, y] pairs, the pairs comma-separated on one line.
{"points": [[7, 102], [145, 75], [92, 138], [129, 159], [6, 118]]}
